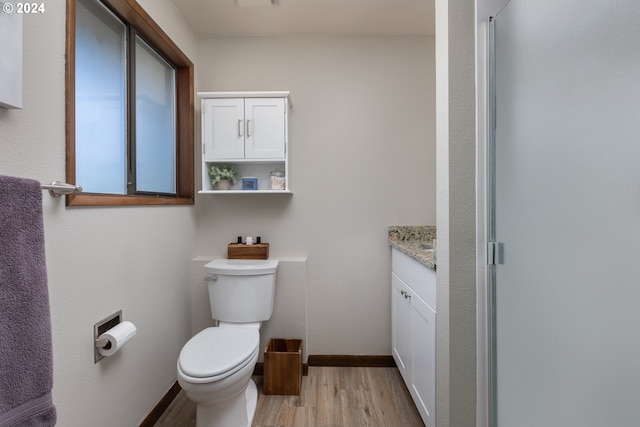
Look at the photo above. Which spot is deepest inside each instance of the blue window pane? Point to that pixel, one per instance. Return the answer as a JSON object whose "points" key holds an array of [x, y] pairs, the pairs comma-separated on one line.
{"points": [[101, 155], [155, 122]]}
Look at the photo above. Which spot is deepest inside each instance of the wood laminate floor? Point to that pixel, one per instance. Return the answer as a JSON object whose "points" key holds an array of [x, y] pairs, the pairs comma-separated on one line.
{"points": [[330, 397]]}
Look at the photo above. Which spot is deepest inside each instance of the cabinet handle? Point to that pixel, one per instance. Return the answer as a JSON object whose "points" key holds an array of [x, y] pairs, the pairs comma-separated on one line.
{"points": [[239, 127], [248, 128], [403, 292]]}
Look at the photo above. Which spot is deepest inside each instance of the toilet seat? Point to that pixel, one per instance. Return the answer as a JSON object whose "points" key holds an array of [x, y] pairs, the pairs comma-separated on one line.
{"points": [[216, 353]]}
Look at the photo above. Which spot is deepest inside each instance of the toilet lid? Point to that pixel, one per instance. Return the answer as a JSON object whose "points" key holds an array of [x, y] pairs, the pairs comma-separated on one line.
{"points": [[214, 351]]}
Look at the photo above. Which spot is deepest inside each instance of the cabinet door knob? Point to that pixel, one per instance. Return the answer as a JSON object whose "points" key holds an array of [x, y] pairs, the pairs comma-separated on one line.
{"points": [[239, 127], [248, 128]]}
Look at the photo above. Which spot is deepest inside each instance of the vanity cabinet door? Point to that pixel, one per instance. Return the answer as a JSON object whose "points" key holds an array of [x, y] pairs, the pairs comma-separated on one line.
{"points": [[401, 326], [423, 337]]}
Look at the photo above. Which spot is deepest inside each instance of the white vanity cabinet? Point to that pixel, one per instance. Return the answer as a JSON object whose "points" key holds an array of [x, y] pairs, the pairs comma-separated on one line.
{"points": [[248, 130], [413, 326]]}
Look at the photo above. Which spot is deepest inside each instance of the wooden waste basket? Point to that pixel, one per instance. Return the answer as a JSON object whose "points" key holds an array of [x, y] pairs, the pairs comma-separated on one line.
{"points": [[283, 366]]}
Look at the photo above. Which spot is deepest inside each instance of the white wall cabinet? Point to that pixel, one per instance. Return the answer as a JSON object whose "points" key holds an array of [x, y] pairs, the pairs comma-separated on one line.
{"points": [[249, 130], [413, 327]]}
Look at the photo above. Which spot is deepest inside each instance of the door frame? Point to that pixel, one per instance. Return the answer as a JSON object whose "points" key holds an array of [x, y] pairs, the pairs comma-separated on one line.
{"points": [[486, 404]]}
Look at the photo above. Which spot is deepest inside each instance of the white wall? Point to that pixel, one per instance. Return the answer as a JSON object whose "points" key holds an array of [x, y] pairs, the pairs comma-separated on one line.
{"points": [[362, 158], [100, 260]]}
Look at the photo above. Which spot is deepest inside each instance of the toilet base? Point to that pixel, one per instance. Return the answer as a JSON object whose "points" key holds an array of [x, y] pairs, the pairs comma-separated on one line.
{"points": [[252, 401], [232, 412]]}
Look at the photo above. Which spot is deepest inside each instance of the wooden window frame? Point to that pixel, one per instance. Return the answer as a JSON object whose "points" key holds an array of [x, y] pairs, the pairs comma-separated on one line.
{"points": [[133, 14]]}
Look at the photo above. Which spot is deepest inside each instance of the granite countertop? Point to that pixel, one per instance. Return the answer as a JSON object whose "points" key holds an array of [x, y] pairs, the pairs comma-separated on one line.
{"points": [[412, 239]]}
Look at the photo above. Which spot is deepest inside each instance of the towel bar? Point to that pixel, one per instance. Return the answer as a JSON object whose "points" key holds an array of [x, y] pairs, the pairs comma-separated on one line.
{"points": [[57, 188]]}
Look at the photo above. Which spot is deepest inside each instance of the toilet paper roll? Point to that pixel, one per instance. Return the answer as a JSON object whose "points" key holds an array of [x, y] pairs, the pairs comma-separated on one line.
{"points": [[117, 337]]}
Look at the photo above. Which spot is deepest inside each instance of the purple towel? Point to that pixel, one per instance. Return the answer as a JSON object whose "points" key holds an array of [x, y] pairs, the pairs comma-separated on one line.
{"points": [[26, 365]]}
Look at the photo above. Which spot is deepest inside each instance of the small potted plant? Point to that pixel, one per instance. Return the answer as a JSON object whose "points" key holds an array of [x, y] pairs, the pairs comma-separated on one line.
{"points": [[223, 176]]}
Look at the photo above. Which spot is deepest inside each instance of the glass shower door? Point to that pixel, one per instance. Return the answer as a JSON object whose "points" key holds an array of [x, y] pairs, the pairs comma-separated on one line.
{"points": [[566, 211]]}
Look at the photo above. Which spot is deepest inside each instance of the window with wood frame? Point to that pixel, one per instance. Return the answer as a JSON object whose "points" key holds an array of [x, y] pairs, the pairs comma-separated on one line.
{"points": [[129, 108]]}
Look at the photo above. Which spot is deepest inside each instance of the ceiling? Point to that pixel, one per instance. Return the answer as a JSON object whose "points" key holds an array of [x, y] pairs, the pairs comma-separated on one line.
{"points": [[310, 17]]}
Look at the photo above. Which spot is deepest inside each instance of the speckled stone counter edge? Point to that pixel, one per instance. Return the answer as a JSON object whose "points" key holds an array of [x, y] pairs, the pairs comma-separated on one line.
{"points": [[409, 239]]}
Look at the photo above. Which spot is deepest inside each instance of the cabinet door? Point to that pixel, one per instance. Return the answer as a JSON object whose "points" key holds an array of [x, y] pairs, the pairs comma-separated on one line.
{"points": [[265, 128], [423, 337], [401, 327], [223, 128]]}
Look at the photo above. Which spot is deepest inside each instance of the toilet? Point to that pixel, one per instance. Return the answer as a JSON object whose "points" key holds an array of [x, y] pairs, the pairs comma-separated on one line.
{"points": [[215, 366]]}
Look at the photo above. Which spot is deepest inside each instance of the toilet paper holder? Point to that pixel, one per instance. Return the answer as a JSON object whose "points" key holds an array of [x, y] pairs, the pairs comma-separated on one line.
{"points": [[113, 335], [101, 327]]}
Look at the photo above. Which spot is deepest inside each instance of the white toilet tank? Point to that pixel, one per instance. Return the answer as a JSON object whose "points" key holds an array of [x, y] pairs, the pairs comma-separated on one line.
{"points": [[241, 290]]}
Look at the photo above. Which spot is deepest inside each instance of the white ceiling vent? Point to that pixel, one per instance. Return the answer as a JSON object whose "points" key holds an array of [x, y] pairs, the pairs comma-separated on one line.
{"points": [[257, 3]]}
